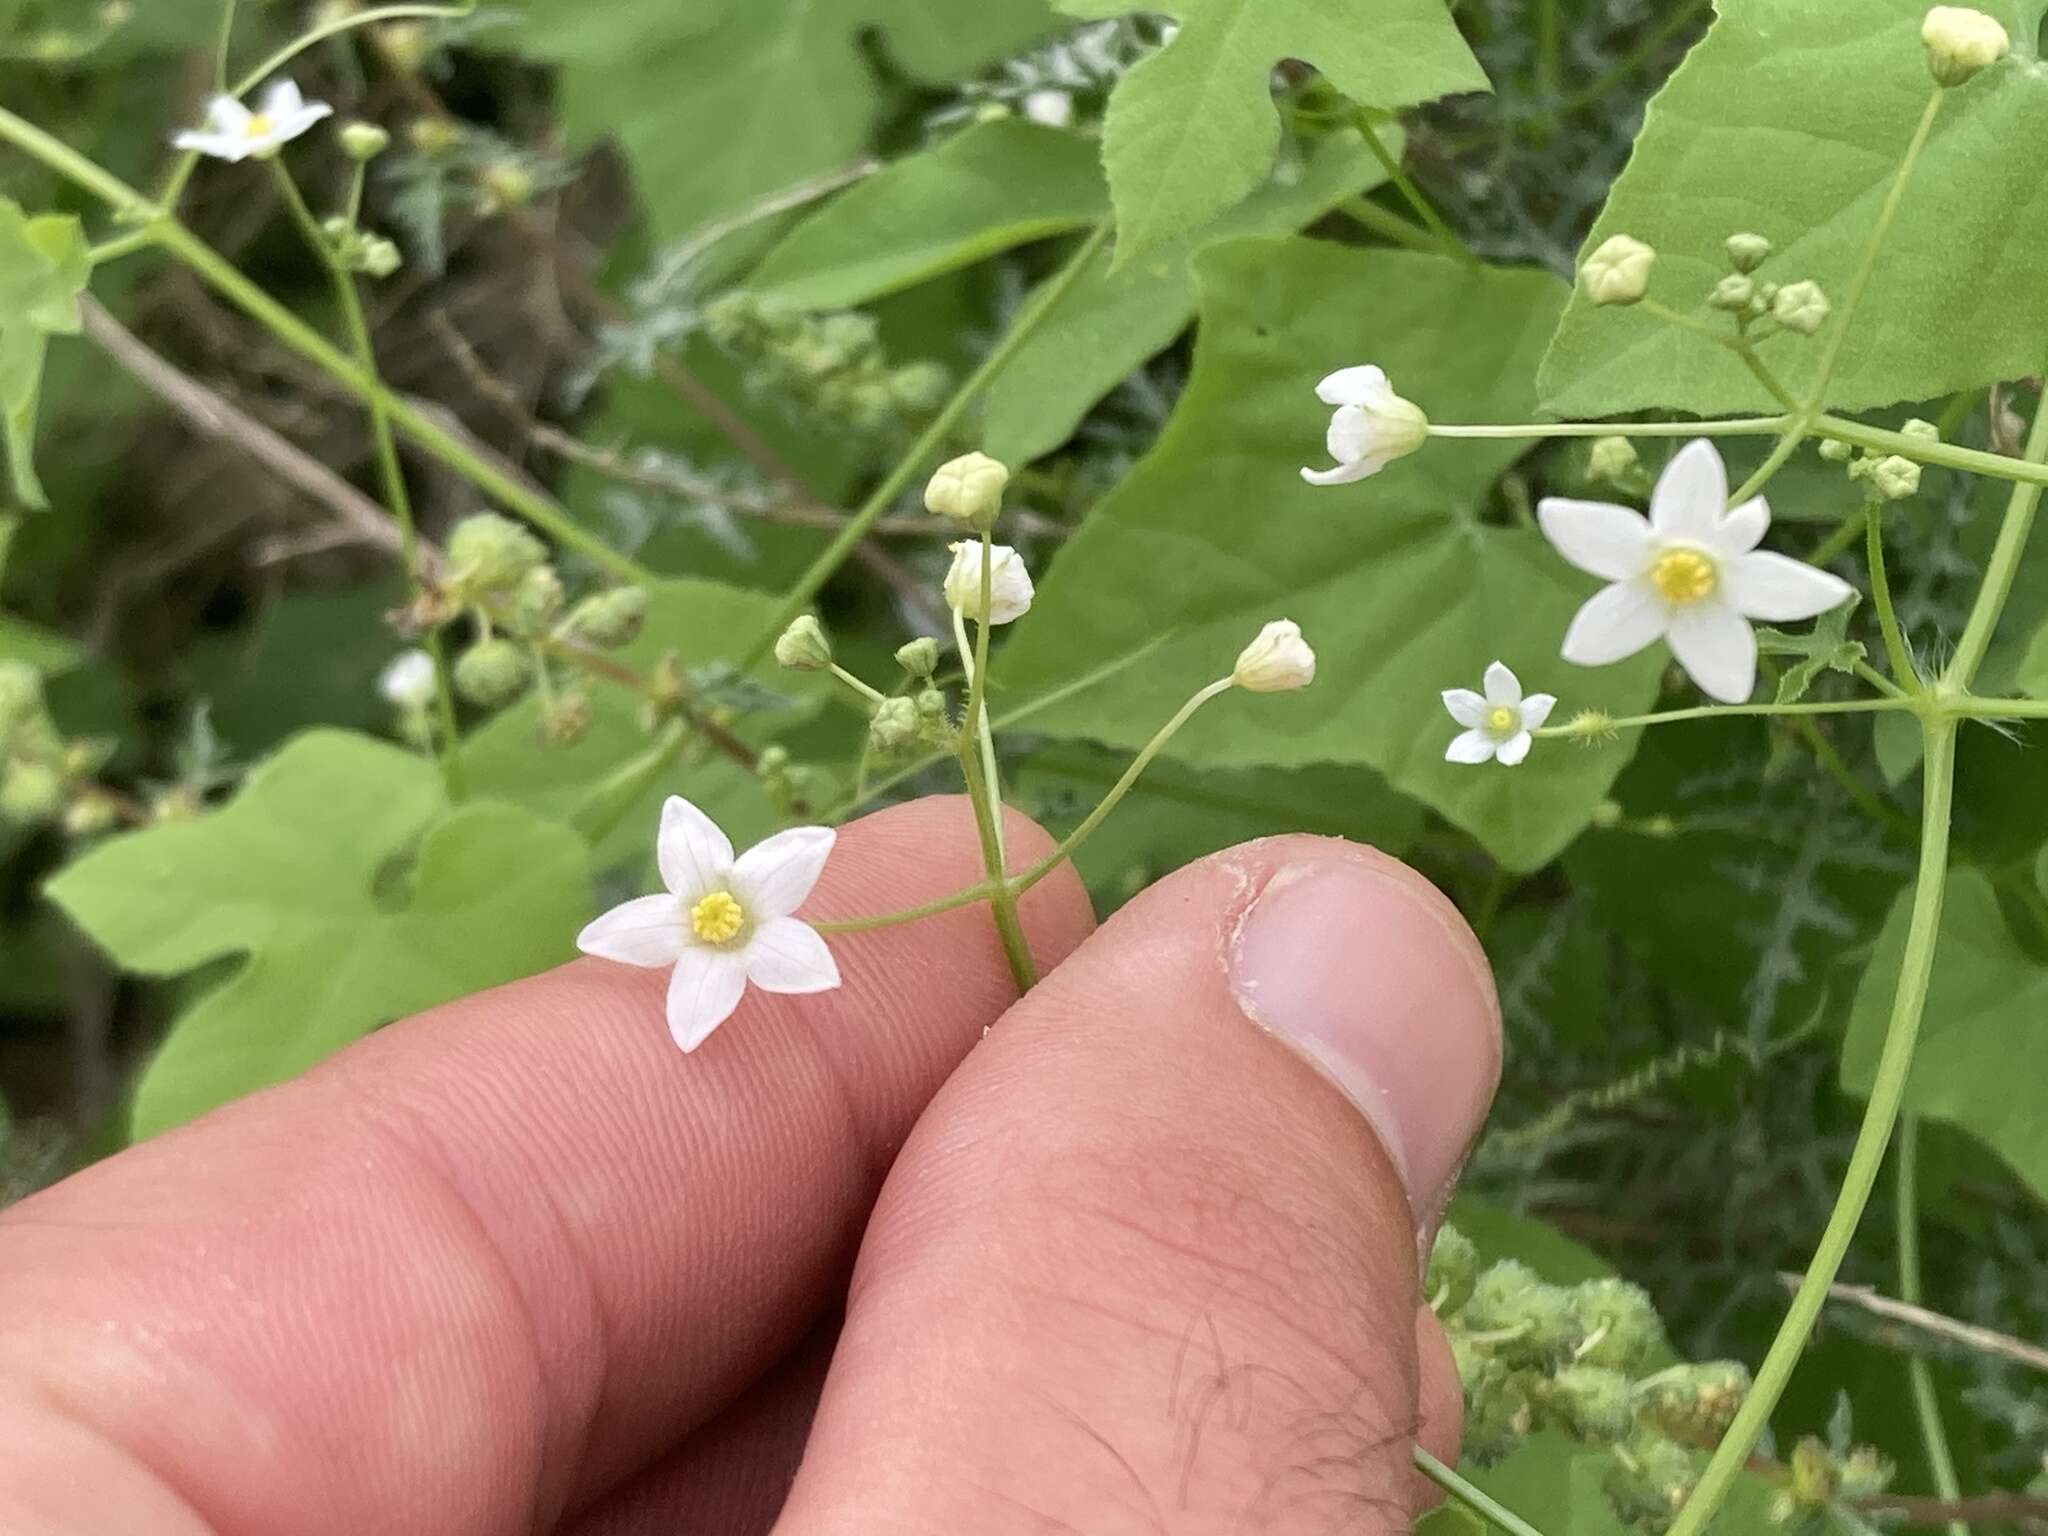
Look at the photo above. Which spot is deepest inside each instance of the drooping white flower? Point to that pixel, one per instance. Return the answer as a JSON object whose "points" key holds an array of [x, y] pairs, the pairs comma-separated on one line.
{"points": [[233, 132], [1498, 722], [1277, 661], [1009, 583], [723, 921], [1371, 428], [1690, 573], [1052, 107], [407, 681]]}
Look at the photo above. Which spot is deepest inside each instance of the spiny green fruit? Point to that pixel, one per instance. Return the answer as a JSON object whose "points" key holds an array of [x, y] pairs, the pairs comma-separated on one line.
{"points": [[538, 601], [1593, 1401], [493, 672], [1620, 1323], [1453, 1271], [1693, 1402], [489, 555], [1648, 1481], [1533, 1318]]}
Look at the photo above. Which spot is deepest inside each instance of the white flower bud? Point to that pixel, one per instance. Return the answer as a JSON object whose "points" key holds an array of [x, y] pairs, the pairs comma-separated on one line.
{"points": [[1835, 451], [1277, 661], [1921, 431], [1619, 271], [895, 724], [804, 646], [1747, 252], [1733, 293], [1800, 307], [1613, 458], [919, 657], [1010, 591], [969, 490], [1054, 108], [1895, 478], [1960, 42], [407, 681]]}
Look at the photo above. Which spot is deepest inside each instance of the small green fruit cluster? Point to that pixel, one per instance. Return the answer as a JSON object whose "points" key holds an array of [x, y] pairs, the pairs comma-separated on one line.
{"points": [[45, 778], [830, 366]]}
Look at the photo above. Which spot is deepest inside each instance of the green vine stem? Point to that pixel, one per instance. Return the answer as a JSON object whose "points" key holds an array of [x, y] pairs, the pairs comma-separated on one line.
{"points": [[1941, 1465], [2002, 569], [1896, 650], [1472, 1496], [984, 787]]}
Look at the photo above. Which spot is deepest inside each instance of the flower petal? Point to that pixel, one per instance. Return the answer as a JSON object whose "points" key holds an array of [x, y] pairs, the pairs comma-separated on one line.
{"points": [[1616, 621], [706, 987], [1471, 747], [1742, 529], [776, 875], [1600, 538], [1502, 686], [1536, 710], [282, 99], [1353, 386], [1343, 474], [1778, 588], [645, 931], [1465, 706], [788, 956], [1515, 749], [1717, 649], [224, 114], [1349, 438], [1691, 494], [695, 858]]}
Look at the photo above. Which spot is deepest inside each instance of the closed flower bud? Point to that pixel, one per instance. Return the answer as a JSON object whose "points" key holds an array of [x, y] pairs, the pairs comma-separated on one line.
{"points": [[1835, 451], [489, 555], [1800, 307], [30, 793], [432, 136], [1620, 1323], [379, 257], [968, 490], [565, 720], [1613, 458], [931, 706], [920, 388], [895, 724], [1277, 661], [1618, 272], [507, 184], [1960, 42], [1747, 252], [1895, 478], [1733, 293], [1453, 1269], [609, 619], [89, 815], [803, 647], [1009, 586], [493, 672], [1921, 431], [538, 602], [363, 142], [1593, 1401], [920, 658]]}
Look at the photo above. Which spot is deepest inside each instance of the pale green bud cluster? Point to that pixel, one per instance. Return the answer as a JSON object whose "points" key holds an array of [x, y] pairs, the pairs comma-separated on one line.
{"points": [[792, 788], [1819, 1476], [361, 250], [832, 366], [363, 142], [1887, 476]]}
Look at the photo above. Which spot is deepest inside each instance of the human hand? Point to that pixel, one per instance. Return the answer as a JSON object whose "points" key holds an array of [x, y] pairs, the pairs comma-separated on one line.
{"points": [[1130, 1264]]}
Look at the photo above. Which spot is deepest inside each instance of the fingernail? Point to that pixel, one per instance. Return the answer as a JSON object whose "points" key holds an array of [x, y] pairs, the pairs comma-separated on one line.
{"points": [[1377, 981]]}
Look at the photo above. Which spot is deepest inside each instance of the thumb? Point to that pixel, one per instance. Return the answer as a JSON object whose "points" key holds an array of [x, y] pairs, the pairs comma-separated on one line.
{"points": [[1149, 1261]]}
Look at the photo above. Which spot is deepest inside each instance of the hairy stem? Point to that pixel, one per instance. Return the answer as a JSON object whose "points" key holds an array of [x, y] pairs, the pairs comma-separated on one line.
{"points": [[1887, 616]]}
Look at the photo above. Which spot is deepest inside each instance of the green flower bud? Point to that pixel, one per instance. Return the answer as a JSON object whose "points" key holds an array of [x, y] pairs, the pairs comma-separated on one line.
{"points": [[489, 555], [1648, 1481], [1835, 451], [1693, 1402], [1864, 1473], [1921, 431], [1618, 272], [804, 646], [844, 339], [969, 491], [379, 257], [1620, 1323], [895, 725], [1453, 1270], [609, 619], [920, 658], [1800, 307], [493, 672], [1592, 1401], [1747, 252], [1734, 293], [1960, 42], [363, 142], [1895, 478], [1608, 815], [565, 720], [30, 792], [432, 136], [507, 184], [774, 760], [1613, 458], [90, 815], [931, 707], [404, 43], [921, 388], [538, 601]]}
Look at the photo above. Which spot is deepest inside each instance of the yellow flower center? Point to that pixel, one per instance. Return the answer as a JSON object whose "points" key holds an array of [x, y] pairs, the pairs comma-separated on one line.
{"points": [[1684, 576], [257, 126], [1501, 720], [718, 918]]}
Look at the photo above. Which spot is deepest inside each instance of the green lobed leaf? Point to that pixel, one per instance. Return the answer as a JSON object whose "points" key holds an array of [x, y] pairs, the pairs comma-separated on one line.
{"points": [[1824, 648], [1192, 130], [1117, 316], [994, 185], [43, 269], [1983, 1024], [305, 874], [1790, 120], [1397, 583], [718, 103]]}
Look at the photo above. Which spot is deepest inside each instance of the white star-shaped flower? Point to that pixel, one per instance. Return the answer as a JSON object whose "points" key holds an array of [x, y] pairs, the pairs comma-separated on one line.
{"points": [[1372, 426], [233, 132], [723, 921], [1498, 722], [1689, 573]]}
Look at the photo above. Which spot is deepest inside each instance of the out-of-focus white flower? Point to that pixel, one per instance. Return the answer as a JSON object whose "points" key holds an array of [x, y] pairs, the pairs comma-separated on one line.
{"points": [[1009, 589], [1960, 42], [1054, 108], [407, 681], [1498, 722], [1618, 272], [1371, 428], [233, 132], [723, 921], [1277, 661], [1690, 573]]}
